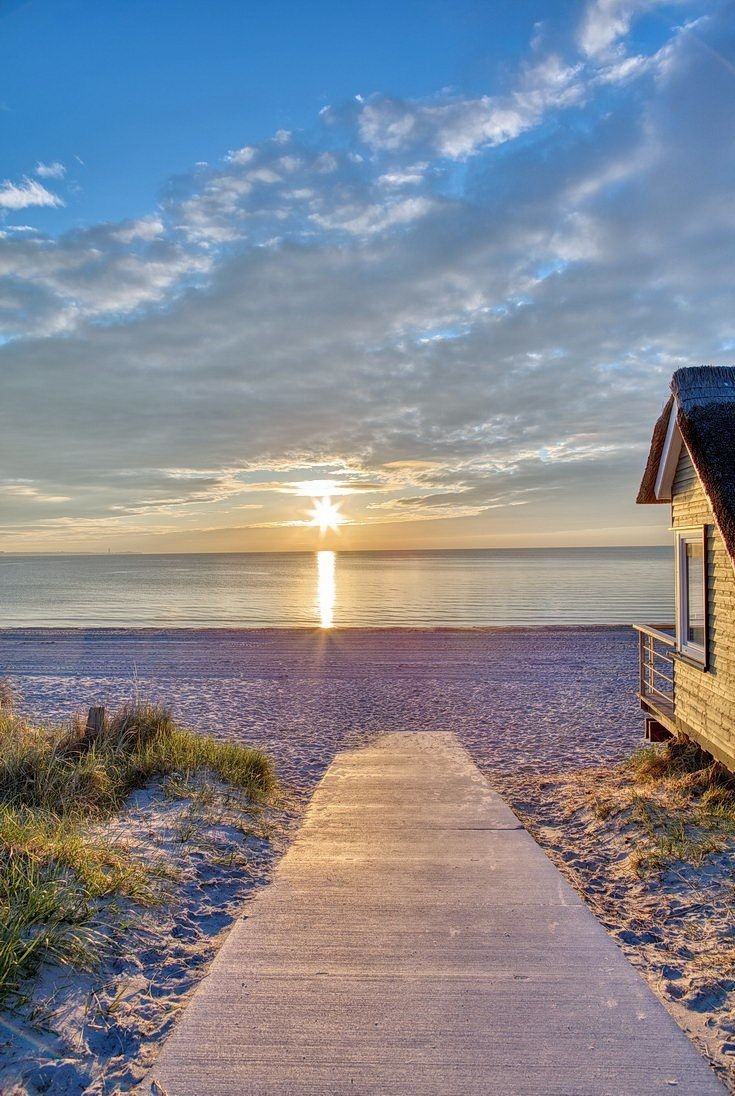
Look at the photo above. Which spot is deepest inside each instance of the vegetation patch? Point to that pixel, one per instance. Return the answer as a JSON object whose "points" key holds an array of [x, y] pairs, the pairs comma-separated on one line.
{"points": [[57, 785], [684, 802]]}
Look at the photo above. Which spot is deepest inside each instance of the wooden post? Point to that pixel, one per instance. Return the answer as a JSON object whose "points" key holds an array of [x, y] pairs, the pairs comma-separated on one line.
{"points": [[656, 732], [95, 723]]}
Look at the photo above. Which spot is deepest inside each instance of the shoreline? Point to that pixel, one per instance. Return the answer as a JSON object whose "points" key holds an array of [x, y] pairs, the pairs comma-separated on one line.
{"points": [[351, 551], [313, 629]]}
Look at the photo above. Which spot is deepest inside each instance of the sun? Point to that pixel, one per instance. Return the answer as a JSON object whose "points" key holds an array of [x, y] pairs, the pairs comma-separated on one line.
{"points": [[325, 515]]}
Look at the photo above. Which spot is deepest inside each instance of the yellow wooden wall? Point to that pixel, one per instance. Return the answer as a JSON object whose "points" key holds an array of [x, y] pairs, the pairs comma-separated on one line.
{"points": [[705, 700]]}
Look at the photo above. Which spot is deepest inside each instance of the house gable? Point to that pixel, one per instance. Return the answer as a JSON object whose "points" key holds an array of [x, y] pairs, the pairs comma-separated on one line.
{"points": [[690, 505]]}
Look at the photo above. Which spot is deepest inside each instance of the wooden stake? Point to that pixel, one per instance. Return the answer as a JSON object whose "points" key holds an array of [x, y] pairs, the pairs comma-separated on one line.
{"points": [[95, 722]]}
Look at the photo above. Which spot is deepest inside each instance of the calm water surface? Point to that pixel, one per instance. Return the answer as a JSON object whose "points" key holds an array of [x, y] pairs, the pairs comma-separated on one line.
{"points": [[471, 588]]}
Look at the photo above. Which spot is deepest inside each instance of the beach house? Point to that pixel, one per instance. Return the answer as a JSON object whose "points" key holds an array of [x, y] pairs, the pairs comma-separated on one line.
{"points": [[687, 668]]}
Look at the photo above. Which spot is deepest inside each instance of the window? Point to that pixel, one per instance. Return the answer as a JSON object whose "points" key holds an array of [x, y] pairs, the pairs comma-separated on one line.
{"points": [[691, 594]]}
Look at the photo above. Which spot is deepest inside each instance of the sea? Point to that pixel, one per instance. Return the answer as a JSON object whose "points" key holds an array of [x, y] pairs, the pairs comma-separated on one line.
{"points": [[473, 588]]}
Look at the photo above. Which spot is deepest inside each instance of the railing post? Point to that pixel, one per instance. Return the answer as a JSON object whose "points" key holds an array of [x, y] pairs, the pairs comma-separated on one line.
{"points": [[656, 669], [651, 656]]}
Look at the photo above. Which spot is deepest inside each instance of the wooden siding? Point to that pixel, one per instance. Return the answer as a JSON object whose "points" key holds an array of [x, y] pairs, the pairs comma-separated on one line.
{"points": [[705, 700]]}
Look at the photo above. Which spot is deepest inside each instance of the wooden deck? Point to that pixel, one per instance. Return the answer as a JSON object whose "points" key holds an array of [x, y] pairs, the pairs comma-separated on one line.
{"points": [[416, 940]]}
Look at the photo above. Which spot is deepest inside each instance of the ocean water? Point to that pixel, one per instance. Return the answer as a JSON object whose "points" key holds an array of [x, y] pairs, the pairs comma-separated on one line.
{"points": [[464, 588]]}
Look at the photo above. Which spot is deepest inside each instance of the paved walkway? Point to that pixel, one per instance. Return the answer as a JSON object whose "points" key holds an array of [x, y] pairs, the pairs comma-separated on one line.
{"points": [[416, 940]]}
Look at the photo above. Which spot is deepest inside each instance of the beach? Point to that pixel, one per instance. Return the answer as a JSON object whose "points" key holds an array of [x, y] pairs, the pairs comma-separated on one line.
{"points": [[545, 713], [522, 700]]}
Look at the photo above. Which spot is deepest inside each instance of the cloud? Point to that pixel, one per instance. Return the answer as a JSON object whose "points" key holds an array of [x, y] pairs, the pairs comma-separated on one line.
{"points": [[411, 176], [454, 317], [27, 193], [28, 491], [365, 220], [53, 170], [605, 22], [144, 229], [456, 126]]}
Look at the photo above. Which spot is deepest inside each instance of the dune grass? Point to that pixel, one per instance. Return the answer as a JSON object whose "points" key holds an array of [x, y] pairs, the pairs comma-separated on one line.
{"points": [[56, 784], [684, 800]]}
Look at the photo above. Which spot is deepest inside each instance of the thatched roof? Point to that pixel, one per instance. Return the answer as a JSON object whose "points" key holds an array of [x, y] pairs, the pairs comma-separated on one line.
{"points": [[704, 397]]}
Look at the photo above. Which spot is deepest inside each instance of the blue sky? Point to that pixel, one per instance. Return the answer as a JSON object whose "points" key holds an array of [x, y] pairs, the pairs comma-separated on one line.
{"points": [[141, 91], [443, 255]]}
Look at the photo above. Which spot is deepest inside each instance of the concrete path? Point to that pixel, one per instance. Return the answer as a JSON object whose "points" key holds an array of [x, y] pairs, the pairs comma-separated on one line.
{"points": [[416, 940]]}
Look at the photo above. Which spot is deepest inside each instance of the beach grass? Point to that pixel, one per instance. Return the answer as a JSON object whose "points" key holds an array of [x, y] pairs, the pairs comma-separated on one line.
{"points": [[684, 802], [57, 785]]}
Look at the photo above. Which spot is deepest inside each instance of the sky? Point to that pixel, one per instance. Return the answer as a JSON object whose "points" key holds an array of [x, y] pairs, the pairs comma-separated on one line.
{"points": [[435, 260]]}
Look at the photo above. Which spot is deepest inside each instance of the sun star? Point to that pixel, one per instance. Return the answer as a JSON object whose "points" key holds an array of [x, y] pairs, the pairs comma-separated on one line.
{"points": [[325, 515]]}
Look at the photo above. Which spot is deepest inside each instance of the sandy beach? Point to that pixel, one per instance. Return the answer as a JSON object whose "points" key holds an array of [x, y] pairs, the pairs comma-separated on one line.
{"points": [[529, 704], [96, 1031], [523, 700]]}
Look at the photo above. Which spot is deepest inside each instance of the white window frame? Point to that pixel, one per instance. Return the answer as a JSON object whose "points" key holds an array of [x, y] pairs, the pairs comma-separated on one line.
{"points": [[695, 651]]}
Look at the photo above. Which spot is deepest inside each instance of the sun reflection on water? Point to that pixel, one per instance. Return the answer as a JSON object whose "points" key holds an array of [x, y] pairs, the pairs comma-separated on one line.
{"points": [[326, 587]]}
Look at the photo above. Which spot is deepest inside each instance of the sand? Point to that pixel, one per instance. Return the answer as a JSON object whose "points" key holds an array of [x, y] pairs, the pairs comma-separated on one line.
{"points": [[99, 1032], [522, 700], [675, 922]]}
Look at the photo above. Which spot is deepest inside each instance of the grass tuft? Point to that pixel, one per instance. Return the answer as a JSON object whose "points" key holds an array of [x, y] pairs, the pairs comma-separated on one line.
{"points": [[682, 801], [43, 915], [63, 772], [7, 695], [683, 762], [55, 783]]}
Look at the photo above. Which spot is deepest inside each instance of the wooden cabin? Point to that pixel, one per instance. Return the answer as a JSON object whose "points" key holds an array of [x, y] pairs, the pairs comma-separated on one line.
{"points": [[687, 668]]}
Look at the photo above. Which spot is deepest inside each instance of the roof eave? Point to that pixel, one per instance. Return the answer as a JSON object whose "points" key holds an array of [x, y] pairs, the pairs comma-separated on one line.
{"points": [[647, 492]]}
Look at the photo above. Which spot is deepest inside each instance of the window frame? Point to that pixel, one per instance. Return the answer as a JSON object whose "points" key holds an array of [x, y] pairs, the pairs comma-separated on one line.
{"points": [[695, 652]]}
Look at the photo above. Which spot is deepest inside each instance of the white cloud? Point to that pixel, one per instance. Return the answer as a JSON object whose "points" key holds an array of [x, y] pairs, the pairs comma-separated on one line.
{"points": [[369, 219], [497, 336], [457, 127], [605, 22], [145, 228], [410, 176], [241, 155], [54, 170], [628, 68], [263, 175], [325, 163], [25, 194]]}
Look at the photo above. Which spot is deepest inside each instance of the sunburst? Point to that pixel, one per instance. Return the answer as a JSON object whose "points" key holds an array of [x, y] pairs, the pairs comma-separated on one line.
{"points": [[325, 515]]}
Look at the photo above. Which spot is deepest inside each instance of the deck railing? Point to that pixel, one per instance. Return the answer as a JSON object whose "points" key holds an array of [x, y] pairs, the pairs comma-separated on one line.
{"points": [[656, 667]]}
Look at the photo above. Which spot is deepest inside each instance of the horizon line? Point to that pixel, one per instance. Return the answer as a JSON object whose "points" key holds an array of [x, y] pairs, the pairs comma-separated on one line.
{"points": [[346, 551]]}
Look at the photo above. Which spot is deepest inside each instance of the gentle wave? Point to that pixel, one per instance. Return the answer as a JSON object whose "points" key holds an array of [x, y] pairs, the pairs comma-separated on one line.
{"points": [[463, 588]]}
